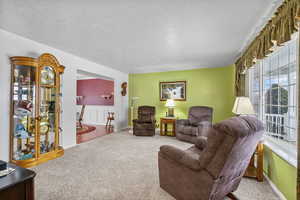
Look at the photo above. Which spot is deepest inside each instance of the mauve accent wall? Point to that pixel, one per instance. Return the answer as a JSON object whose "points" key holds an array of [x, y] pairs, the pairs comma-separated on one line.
{"points": [[93, 90]]}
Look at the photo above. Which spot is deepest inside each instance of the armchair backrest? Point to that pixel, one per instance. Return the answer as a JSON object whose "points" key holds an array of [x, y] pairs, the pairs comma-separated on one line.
{"points": [[146, 113], [230, 146], [200, 113]]}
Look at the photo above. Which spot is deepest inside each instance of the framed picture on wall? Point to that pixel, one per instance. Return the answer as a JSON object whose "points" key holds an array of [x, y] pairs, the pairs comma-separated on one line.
{"points": [[172, 90]]}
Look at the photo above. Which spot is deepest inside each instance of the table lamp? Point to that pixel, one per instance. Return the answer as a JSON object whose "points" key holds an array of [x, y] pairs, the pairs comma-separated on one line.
{"points": [[243, 106], [170, 104]]}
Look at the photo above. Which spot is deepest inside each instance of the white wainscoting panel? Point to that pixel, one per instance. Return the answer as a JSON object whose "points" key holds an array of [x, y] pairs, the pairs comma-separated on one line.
{"points": [[97, 114]]}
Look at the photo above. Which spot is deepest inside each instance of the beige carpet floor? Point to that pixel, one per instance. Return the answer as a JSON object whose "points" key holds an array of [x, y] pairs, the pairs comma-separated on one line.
{"points": [[118, 166]]}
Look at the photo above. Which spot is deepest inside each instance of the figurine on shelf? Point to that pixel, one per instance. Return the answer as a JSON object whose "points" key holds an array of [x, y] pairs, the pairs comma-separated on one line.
{"points": [[51, 106], [20, 132], [44, 147], [21, 79], [52, 145], [23, 108], [18, 155], [28, 123], [16, 75], [25, 104], [20, 112], [30, 147], [20, 127], [26, 156]]}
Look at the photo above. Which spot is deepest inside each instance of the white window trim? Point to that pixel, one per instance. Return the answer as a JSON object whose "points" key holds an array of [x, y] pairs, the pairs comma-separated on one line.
{"points": [[284, 150]]}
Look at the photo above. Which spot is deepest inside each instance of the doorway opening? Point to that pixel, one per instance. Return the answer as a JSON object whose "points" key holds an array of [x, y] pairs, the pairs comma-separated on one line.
{"points": [[95, 106]]}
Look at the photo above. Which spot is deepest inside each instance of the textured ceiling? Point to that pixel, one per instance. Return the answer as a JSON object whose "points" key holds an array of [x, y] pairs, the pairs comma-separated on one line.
{"points": [[80, 75], [138, 35]]}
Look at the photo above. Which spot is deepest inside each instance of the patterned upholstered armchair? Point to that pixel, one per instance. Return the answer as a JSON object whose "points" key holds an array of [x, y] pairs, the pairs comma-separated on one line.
{"points": [[199, 120], [215, 165], [145, 124]]}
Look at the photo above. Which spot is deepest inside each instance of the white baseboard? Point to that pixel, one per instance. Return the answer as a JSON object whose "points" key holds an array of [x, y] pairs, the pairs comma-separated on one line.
{"points": [[274, 188], [126, 127], [70, 146], [94, 123]]}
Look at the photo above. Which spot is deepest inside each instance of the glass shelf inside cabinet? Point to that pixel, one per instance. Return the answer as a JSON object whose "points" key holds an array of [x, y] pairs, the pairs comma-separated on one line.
{"points": [[24, 91], [60, 106]]}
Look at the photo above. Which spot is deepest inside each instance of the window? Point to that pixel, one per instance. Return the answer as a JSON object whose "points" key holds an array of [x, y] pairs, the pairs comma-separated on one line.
{"points": [[273, 92]]}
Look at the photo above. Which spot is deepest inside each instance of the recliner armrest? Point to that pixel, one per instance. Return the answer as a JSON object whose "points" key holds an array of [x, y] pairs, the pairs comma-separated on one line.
{"points": [[180, 157], [204, 127], [201, 142]]}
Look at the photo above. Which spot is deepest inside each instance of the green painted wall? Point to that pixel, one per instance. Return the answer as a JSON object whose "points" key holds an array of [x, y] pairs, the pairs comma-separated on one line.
{"points": [[212, 87], [281, 173], [208, 87]]}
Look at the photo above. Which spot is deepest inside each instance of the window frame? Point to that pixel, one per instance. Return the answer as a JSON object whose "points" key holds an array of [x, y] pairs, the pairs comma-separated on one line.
{"points": [[284, 149]]}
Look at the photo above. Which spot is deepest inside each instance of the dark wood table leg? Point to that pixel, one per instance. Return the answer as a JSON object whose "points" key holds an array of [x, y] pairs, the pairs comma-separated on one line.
{"points": [[161, 127], [260, 162], [255, 170], [29, 185], [166, 129], [174, 128]]}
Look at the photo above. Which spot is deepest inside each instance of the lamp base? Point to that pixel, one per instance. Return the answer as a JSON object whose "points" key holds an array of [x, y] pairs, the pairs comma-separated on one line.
{"points": [[170, 112]]}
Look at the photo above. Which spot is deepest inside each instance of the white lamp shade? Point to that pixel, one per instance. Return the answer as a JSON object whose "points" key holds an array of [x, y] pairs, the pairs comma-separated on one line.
{"points": [[243, 106], [170, 103]]}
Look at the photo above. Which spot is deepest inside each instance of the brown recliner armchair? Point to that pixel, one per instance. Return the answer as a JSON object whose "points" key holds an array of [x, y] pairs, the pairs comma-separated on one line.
{"points": [[198, 122], [145, 124], [214, 166]]}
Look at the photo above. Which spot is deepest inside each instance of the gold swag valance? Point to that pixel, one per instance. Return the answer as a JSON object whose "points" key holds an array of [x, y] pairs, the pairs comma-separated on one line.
{"points": [[277, 31]]}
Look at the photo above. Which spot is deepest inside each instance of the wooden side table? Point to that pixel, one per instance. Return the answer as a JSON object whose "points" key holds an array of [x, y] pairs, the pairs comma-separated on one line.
{"points": [[17, 185], [164, 121], [256, 165]]}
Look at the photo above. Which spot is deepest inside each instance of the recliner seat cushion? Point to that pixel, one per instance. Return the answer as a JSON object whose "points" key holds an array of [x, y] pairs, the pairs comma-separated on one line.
{"points": [[189, 130], [144, 121], [145, 126], [180, 128]]}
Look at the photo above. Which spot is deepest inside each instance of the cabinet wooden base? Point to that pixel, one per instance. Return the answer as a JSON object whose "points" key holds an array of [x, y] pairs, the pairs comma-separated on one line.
{"points": [[43, 158]]}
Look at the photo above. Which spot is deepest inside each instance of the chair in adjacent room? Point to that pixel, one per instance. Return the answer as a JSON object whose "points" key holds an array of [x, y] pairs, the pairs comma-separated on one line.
{"points": [[145, 124], [214, 166], [199, 120], [79, 116], [108, 126]]}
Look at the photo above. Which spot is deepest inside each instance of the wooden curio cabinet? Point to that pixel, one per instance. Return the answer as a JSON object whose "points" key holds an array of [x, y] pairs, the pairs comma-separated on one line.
{"points": [[35, 121]]}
